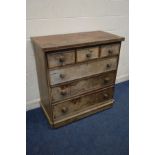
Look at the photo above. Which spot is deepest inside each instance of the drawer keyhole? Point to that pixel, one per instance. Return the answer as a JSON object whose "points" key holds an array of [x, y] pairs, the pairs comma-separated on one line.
{"points": [[75, 101]]}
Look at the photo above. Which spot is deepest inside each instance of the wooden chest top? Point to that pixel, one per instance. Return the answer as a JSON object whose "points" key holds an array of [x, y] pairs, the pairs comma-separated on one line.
{"points": [[73, 40]]}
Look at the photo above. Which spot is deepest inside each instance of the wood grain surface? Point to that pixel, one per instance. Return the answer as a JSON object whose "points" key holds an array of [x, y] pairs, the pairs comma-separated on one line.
{"points": [[82, 70], [86, 54], [76, 74], [110, 50], [60, 58], [63, 41], [81, 86], [65, 108]]}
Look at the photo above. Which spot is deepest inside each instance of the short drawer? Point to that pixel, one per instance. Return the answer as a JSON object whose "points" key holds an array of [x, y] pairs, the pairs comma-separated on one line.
{"points": [[110, 50], [86, 54], [60, 58], [77, 71], [66, 108], [81, 86]]}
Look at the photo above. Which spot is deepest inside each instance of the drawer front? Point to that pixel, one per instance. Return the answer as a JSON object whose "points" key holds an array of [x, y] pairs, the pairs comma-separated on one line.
{"points": [[82, 70], [110, 50], [82, 86], [87, 54], [75, 105], [60, 59]]}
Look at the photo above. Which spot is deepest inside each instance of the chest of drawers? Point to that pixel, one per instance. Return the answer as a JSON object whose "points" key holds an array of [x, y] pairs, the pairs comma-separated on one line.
{"points": [[76, 74]]}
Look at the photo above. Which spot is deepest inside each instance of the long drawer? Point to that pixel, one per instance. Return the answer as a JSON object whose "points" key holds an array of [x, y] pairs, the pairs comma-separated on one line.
{"points": [[66, 108], [64, 91], [69, 73]]}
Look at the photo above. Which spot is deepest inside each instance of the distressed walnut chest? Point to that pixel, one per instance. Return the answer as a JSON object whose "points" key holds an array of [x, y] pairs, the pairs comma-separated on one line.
{"points": [[76, 74]]}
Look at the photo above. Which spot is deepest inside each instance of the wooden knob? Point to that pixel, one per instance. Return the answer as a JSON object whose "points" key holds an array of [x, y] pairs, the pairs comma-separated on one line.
{"points": [[62, 76], [61, 59], [63, 92], [64, 109], [110, 52], [106, 80], [88, 55], [105, 95], [108, 66]]}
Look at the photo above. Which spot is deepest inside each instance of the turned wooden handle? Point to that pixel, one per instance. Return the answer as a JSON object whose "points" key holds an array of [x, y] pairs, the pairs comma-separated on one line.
{"points": [[105, 95], [61, 59], [88, 55], [62, 76], [110, 51], [108, 66], [64, 109], [63, 92], [106, 80]]}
